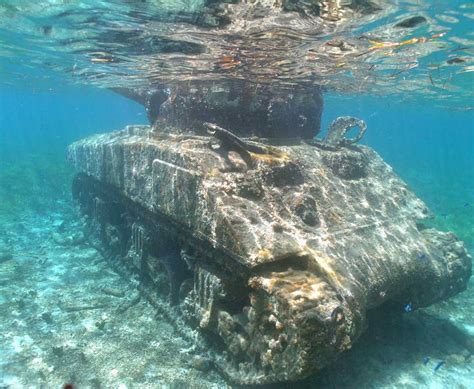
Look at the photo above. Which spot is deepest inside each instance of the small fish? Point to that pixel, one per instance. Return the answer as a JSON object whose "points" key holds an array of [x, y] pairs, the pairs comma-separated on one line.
{"points": [[4, 257], [456, 60], [393, 45], [46, 30], [438, 365], [101, 60], [426, 360], [421, 256], [411, 22], [431, 79], [461, 48], [408, 308], [467, 204]]}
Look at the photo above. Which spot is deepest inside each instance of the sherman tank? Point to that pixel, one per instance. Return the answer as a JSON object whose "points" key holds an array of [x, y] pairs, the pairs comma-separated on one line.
{"points": [[269, 252]]}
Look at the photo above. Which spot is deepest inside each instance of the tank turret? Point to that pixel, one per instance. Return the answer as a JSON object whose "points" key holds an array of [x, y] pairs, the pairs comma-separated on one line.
{"points": [[271, 252]]}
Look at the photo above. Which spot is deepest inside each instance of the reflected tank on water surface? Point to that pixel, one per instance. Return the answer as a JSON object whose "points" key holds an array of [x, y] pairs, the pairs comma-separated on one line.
{"points": [[269, 253]]}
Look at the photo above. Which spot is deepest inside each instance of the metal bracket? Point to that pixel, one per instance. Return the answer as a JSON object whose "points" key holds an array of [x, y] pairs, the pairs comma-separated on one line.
{"points": [[340, 127], [138, 245]]}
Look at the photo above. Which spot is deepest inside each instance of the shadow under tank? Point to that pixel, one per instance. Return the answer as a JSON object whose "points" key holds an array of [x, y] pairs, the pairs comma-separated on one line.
{"points": [[263, 244]]}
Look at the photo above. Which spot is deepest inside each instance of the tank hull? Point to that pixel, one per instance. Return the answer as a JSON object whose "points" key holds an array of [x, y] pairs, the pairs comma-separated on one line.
{"points": [[271, 256]]}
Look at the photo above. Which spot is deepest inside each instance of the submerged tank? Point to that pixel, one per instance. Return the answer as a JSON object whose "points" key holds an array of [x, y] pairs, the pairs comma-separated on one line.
{"points": [[268, 252]]}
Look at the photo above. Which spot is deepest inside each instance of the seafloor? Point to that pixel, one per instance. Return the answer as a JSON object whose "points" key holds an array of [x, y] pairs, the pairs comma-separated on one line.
{"points": [[68, 318]]}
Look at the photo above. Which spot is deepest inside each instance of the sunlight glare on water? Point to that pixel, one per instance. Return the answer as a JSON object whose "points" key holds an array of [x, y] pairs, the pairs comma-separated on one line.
{"points": [[405, 48]]}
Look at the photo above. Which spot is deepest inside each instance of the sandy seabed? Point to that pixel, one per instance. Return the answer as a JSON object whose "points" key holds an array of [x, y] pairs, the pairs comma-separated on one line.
{"points": [[67, 317]]}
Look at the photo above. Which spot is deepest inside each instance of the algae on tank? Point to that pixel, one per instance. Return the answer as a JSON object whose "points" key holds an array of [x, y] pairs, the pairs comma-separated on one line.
{"points": [[274, 253], [240, 224]]}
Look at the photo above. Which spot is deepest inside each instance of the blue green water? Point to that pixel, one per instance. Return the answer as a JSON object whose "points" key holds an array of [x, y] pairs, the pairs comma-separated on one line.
{"points": [[36, 129], [429, 145], [430, 148]]}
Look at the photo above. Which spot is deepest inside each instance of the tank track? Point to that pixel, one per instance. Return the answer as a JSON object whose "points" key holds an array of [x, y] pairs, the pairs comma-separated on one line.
{"points": [[257, 328], [267, 257]]}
